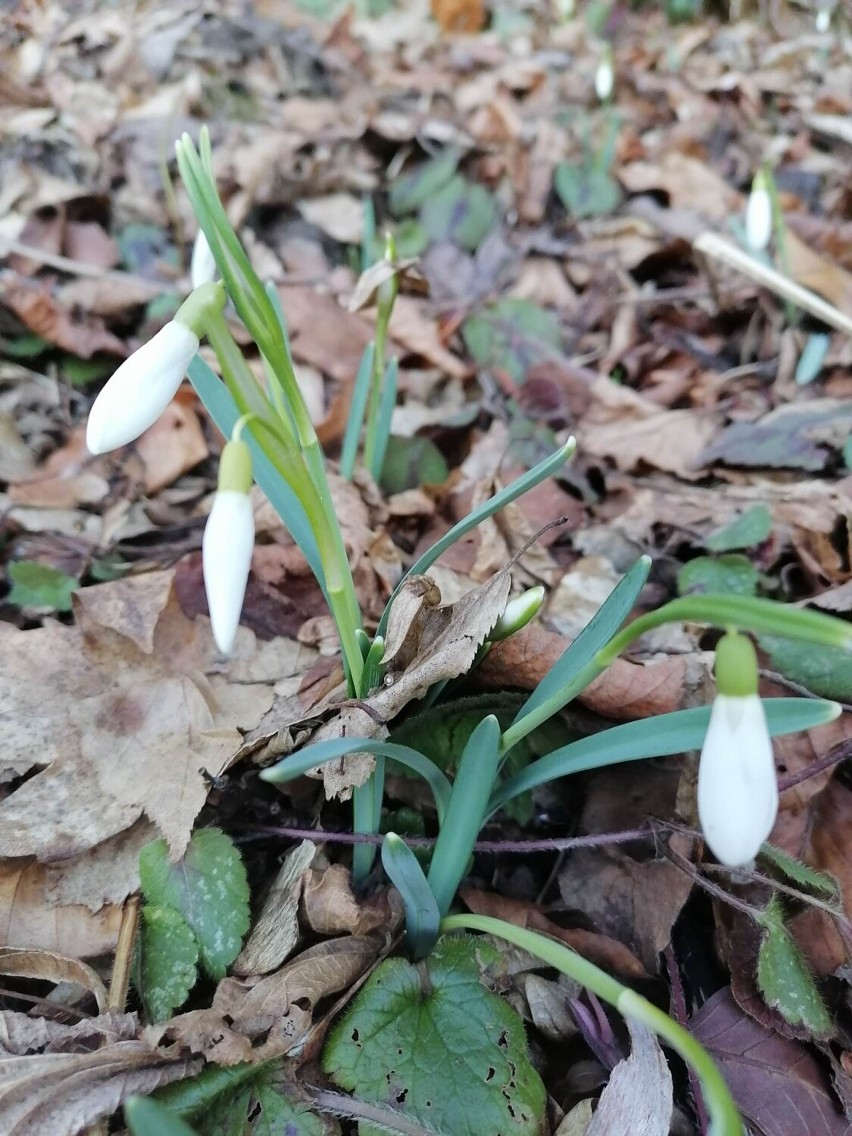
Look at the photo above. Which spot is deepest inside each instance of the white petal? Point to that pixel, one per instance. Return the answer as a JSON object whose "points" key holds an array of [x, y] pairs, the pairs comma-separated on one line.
{"points": [[141, 389], [737, 787], [202, 267], [758, 219], [604, 80], [226, 555]]}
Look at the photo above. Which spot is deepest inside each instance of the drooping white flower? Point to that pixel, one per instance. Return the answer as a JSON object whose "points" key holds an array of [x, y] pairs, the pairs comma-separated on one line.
{"points": [[758, 222], [228, 542], [823, 20], [202, 267], [604, 77], [141, 388], [737, 785]]}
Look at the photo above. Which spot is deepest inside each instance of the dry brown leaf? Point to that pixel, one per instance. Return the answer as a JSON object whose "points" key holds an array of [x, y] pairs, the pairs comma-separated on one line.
{"points": [[276, 931], [459, 15], [172, 446], [451, 637], [637, 1100], [47, 966], [21, 1034], [280, 1006], [40, 313], [623, 692], [418, 333], [29, 920], [329, 906], [69, 477], [599, 949], [128, 727], [823, 276], [634, 432], [60, 1094]]}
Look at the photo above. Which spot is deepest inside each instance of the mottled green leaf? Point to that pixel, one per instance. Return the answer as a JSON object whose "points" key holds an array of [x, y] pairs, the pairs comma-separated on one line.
{"points": [[783, 976], [513, 335], [745, 531], [40, 585], [432, 1043], [147, 1117], [166, 962], [808, 879], [731, 575], [823, 670], [208, 887]]}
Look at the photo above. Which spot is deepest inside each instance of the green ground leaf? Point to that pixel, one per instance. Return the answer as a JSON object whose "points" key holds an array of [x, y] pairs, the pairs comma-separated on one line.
{"points": [[586, 191], [823, 670], [431, 1042], [208, 886], [268, 1105], [731, 575], [40, 585], [783, 976], [167, 961], [410, 463], [412, 190], [461, 212], [745, 531], [147, 1117], [513, 335]]}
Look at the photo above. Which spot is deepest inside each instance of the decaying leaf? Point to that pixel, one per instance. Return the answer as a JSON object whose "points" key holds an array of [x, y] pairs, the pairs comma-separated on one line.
{"points": [[637, 1100]]}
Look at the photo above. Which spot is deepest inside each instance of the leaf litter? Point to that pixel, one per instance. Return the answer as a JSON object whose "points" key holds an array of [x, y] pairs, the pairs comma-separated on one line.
{"points": [[565, 295]]}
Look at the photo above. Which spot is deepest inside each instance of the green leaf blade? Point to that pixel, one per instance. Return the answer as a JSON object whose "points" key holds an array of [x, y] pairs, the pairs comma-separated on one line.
{"points": [[432, 1043], [208, 887], [167, 963], [784, 979]]}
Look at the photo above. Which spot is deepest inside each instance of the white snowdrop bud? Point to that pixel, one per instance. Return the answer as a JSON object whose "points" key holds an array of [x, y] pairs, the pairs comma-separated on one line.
{"points": [[202, 268], [228, 543], [758, 223], [737, 785], [604, 77], [141, 388]]}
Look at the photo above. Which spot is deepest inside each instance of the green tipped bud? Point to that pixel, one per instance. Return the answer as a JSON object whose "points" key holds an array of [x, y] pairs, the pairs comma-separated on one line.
{"points": [[203, 299], [387, 291], [517, 614], [736, 666], [235, 467]]}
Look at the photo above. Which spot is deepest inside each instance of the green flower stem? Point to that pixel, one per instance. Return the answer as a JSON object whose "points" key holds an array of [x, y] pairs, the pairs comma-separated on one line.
{"points": [[763, 617], [725, 1119], [243, 387], [371, 440]]}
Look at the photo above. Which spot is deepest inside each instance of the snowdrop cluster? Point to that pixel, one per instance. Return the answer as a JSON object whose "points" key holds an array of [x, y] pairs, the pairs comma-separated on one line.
{"points": [[133, 400], [737, 786]]}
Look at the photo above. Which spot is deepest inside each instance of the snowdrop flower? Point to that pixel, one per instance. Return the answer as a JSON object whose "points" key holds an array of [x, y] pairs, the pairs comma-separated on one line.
{"points": [[202, 267], [823, 20], [604, 76], [737, 787], [758, 222], [228, 543], [141, 388], [145, 384]]}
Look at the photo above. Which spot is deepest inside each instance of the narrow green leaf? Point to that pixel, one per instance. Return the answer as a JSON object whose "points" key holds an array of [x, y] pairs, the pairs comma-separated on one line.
{"points": [[318, 753], [366, 820], [422, 917], [40, 585], [577, 664], [147, 1117], [195, 1095], [433, 1043], [386, 407], [665, 734], [460, 826], [167, 961], [208, 886], [812, 357], [783, 976], [357, 410], [505, 497]]}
